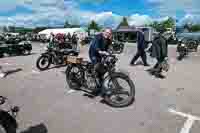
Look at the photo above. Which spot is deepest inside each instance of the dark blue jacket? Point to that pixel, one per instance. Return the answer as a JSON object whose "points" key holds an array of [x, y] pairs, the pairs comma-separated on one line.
{"points": [[97, 44], [140, 41]]}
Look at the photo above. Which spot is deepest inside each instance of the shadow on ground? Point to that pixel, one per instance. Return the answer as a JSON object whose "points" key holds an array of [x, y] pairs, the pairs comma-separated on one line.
{"points": [[41, 128], [12, 71]]}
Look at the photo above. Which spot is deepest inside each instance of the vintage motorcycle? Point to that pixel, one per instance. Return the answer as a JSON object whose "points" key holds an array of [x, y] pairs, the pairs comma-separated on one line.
{"points": [[8, 123], [81, 74], [192, 45], [182, 49], [117, 47], [53, 55]]}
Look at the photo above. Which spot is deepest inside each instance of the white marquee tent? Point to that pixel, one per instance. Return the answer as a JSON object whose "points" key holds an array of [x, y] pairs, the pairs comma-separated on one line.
{"points": [[78, 31]]}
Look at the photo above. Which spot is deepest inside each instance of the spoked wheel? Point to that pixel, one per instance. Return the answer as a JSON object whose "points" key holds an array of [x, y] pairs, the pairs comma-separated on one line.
{"points": [[43, 63], [7, 127], [121, 91], [2, 129], [73, 75]]}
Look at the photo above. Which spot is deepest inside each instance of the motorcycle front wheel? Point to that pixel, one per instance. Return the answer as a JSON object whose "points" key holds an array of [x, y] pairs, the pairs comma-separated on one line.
{"points": [[74, 76], [120, 95], [43, 62]]}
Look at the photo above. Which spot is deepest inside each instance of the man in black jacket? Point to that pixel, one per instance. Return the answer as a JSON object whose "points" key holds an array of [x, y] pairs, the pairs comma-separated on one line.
{"points": [[99, 45], [141, 45], [159, 50]]}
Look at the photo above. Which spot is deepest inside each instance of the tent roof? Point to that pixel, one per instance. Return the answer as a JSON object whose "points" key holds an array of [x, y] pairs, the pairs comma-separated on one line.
{"points": [[63, 30]]}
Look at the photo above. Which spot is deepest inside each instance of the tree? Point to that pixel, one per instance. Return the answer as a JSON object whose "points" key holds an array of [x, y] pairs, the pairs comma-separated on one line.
{"points": [[67, 25], [124, 22], [5, 29], [38, 29], [11, 28], [93, 26], [169, 23], [195, 28]]}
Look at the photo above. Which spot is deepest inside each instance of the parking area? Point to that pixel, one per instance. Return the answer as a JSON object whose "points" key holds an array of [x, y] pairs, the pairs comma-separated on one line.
{"points": [[168, 105]]}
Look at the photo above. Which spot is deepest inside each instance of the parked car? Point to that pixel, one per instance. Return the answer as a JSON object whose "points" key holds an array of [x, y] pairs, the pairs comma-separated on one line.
{"points": [[22, 48]]}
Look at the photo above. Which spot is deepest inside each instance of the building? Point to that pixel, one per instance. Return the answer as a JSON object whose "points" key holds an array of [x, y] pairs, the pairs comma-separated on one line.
{"points": [[129, 33], [125, 33]]}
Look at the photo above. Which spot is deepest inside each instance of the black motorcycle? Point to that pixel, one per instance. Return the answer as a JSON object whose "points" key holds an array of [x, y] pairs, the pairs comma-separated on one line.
{"points": [[83, 75], [192, 45], [182, 49], [8, 123], [53, 55], [117, 47]]}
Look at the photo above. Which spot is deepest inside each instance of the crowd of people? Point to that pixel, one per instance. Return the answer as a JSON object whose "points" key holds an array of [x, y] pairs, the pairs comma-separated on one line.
{"points": [[64, 39]]}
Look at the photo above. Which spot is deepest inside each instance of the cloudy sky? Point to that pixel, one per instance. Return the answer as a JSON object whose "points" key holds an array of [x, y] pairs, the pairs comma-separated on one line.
{"points": [[33, 13]]}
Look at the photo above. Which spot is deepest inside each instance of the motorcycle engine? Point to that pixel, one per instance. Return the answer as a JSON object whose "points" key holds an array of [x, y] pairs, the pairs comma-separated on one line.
{"points": [[90, 82]]}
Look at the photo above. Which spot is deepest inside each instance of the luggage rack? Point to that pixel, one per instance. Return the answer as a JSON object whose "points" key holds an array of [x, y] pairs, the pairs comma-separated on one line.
{"points": [[73, 60]]}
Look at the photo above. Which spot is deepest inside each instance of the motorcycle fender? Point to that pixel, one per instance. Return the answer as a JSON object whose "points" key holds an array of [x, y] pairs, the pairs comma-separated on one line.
{"points": [[6, 118], [45, 54]]}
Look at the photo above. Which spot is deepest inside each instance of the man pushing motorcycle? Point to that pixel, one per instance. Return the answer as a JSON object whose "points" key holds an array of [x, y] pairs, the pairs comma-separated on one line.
{"points": [[99, 45]]}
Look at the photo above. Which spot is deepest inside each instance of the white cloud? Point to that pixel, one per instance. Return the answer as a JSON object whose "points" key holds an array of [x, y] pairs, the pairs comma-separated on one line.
{"points": [[139, 20], [170, 7], [189, 18]]}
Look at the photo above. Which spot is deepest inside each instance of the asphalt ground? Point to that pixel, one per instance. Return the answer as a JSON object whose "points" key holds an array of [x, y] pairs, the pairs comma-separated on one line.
{"points": [[45, 98]]}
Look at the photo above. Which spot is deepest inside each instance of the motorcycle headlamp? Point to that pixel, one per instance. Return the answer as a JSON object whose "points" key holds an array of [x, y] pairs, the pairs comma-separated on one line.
{"points": [[183, 45]]}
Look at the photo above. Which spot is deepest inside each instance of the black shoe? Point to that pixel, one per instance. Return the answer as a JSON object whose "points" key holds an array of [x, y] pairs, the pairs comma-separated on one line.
{"points": [[159, 75], [132, 64], [146, 65], [96, 92]]}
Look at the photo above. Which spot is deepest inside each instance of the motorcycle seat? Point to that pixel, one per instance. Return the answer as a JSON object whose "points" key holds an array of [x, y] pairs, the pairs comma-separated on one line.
{"points": [[68, 51]]}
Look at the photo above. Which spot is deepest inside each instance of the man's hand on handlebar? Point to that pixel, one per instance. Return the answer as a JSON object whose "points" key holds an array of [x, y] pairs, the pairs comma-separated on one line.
{"points": [[104, 53]]}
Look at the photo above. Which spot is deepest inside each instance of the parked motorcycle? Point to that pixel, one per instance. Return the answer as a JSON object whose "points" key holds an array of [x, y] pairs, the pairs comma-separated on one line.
{"points": [[81, 74], [53, 55], [8, 123], [182, 49], [192, 45], [117, 47]]}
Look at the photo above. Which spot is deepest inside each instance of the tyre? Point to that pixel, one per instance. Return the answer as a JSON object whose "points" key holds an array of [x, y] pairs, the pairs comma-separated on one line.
{"points": [[116, 91], [43, 62], [7, 123], [181, 56], [7, 129], [73, 75]]}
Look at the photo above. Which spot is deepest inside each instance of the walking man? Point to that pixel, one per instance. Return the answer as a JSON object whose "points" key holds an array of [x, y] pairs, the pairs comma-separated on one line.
{"points": [[159, 50], [141, 45]]}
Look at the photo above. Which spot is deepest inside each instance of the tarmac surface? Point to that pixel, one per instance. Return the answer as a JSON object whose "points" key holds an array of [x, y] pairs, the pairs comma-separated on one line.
{"points": [[161, 105]]}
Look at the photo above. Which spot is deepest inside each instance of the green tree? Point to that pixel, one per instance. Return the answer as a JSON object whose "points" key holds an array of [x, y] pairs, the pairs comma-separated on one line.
{"points": [[11, 28], [195, 28], [5, 29], [93, 26], [67, 25], [124, 22]]}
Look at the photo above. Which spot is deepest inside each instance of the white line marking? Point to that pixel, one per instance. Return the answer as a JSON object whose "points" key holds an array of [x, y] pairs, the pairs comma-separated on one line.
{"points": [[184, 115], [188, 124]]}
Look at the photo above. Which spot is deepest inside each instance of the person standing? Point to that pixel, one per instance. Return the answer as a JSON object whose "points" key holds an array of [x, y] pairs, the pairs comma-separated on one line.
{"points": [[141, 45], [74, 41]]}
